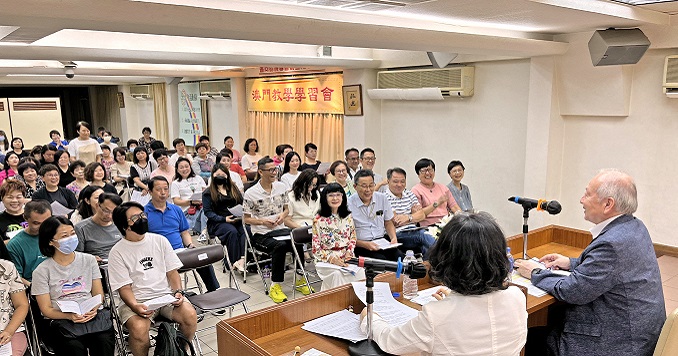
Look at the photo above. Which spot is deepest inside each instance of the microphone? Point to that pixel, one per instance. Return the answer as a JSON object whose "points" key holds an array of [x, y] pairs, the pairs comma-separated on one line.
{"points": [[415, 270], [551, 206]]}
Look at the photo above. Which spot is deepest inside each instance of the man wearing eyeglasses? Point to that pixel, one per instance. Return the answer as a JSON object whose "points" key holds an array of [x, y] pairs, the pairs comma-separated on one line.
{"points": [[265, 209], [367, 160], [373, 218], [97, 234]]}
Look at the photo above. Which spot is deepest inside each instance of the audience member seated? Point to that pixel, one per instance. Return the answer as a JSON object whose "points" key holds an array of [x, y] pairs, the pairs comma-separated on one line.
{"points": [[141, 170], [108, 140], [87, 201], [131, 145], [23, 248], [202, 163], [339, 169], [13, 308], [10, 166], [13, 195], [57, 142], [352, 156], [367, 161], [229, 143], [212, 152], [120, 171], [310, 155], [143, 266], [164, 169], [373, 218], [168, 220], [97, 234], [280, 152], [145, 140], [408, 212], [222, 195], [180, 146], [334, 237], [84, 147], [107, 161], [63, 162], [71, 276], [48, 152], [224, 159], [28, 174], [77, 170], [52, 191], [251, 157], [4, 142], [476, 313], [265, 210], [155, 146], [428, 192], [184, 185], [36, 153], [291, 169], [234, 167], [18, 147], [460, 192], [302, 200], [95, 173]]}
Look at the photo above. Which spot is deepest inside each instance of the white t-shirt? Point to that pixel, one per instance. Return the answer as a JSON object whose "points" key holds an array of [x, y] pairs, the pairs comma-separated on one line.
{"points": [[186, 187], [175, 157], [86, 150], [289, 179], [300, 212], [235, 178], [259, 204], [144, 265], [249, 162]]}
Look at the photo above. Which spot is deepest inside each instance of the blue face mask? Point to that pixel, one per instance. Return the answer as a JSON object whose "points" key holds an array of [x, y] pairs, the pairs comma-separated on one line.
{"points": [[68, 244]]}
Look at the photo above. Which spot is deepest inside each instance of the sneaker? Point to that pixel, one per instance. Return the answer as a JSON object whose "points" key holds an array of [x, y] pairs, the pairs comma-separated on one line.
{"points": [[203, 236], [219, 312], [303, 288], [277, 294]]}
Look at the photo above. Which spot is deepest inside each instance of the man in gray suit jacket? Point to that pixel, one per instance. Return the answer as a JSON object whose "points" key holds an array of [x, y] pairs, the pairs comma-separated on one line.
{"points": [[614, 292]]}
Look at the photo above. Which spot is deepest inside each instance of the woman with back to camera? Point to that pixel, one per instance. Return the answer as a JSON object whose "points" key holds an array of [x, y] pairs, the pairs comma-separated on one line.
{"points": [[303, 201], [334, 237], [478, 313]]}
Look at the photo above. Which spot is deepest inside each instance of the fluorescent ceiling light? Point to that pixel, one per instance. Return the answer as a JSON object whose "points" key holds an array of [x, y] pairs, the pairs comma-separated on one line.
{"points": [[642, 2]]}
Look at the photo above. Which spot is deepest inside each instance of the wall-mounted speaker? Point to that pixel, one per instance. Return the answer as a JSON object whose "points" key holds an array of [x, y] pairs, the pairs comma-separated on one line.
{"points": [[614, 47]]}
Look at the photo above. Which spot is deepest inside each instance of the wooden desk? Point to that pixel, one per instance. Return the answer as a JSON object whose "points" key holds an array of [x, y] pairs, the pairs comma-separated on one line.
{"points": [[277, 330]]}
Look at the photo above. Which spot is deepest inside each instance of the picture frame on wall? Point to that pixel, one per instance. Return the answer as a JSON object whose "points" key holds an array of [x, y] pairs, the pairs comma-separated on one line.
{"points": [[353, 99]]}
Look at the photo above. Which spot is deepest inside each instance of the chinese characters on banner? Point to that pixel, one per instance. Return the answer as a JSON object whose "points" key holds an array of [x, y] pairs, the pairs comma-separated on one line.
{"points": [[190, 115], [317, 94]]}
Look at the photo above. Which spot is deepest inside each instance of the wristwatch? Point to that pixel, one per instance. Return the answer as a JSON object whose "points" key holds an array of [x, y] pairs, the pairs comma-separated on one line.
{"points": [[435, 205], [409, 217], [181, 291]]}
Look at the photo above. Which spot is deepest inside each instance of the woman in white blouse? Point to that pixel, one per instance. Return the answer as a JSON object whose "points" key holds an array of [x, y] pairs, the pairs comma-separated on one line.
{"points": [[251, 157], [291, 169], [185, 184], [303, 200], [479, 314]]}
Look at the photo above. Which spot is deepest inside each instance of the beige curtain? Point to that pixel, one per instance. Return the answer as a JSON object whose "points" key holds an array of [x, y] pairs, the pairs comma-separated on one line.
{"points": [[106, 110], [160, 113], [297, 129]]}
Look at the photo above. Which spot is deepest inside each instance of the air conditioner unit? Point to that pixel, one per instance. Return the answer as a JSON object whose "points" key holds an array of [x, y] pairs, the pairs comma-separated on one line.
{"points": [[670, 83], [215, 90], [418, 84], [141, 92]]}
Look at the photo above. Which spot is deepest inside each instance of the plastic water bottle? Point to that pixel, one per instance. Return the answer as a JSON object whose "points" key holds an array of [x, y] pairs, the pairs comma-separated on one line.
{"points": [[511, 260], [410, 287]]}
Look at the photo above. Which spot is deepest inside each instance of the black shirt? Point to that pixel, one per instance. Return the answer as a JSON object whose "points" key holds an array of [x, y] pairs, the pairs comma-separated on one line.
{"points": [[65, 178], [9, 223], [64, 196]]}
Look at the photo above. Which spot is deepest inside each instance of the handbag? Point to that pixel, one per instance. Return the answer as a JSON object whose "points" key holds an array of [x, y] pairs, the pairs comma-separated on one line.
{"points": [[101, 322]]}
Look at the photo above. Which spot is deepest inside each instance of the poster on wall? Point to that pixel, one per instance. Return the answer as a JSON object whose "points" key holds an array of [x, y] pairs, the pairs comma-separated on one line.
{"points": [[190, 115], [309, 94]]}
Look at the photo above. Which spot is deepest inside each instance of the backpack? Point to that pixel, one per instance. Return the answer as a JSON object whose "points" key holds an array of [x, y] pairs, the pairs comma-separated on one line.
{"points": [[171, 342]]}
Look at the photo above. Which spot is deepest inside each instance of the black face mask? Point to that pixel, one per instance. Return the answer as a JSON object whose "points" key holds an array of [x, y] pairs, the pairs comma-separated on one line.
{"points": [[140, 226], [220, 180]]}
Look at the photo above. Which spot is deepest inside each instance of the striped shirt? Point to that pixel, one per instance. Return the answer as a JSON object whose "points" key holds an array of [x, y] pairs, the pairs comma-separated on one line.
{"points": [[402, 205]]}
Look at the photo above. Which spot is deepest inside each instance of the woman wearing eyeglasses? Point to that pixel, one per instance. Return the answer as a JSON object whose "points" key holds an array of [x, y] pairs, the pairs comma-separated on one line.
{"points": [[428, 192]]}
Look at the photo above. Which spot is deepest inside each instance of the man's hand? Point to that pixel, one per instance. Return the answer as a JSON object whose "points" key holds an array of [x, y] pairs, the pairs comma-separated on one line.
{"points": [[400, 220], [556, 261], [279, 220], [141, 310], [180, 299], [363, 314], [525, 267], [269, 224]]}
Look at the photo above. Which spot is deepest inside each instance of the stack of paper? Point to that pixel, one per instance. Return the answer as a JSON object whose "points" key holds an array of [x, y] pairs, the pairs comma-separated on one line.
{"points": [[531, 289], [425, 296], [389, 309], [141, 199], [342, 324]]}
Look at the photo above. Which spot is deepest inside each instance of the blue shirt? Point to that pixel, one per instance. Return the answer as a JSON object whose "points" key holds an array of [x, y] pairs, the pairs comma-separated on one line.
{"points": [[169, 223], [369, 219]]}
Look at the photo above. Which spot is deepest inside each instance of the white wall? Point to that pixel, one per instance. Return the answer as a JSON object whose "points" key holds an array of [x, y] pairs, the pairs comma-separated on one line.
{"points": [[222, 122], [136, 115]]}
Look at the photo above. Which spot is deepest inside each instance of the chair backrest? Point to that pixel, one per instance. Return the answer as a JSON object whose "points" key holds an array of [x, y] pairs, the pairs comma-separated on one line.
{"points": [[668, 339], [193, 258], [302, 234]]}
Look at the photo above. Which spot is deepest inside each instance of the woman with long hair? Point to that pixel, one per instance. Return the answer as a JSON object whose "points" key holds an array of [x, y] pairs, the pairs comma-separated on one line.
{"points": [[334, 238], [184, 185], [87, 201], [11, 166], [221, 196], [303, 201], [469, 259], [4, 142], [291, 169], [62, 160]]}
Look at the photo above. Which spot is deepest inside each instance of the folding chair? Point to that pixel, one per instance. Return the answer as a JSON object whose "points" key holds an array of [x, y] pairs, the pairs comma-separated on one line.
{"points": [[219, 299], [32, 338], [301, 236], [249, 249]]}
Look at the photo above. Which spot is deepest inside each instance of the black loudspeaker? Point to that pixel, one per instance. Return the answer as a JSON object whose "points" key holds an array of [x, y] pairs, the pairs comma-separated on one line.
{"points": [[614, 47]]}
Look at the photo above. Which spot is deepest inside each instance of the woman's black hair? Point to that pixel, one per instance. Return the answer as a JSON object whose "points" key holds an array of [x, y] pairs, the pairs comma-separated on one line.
{"points": [[247, 144], [6, 162], [303, 183], [46, 148], [146, 129], [75, 165], [18, 139], [288, 158], [83, 123], [89, 171], [48, 230], [36, 150], [325, 210], [27, 165], [132, 141], [177, 176], [454, 164], [423, 163], [136, 150], [121, 151], [5, 143], [469, 257], [85, 209], [57, 156]]}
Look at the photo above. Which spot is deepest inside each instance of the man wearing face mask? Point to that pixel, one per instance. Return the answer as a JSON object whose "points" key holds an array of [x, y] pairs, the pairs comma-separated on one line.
{"points": [[23, 248], [143, 266]]}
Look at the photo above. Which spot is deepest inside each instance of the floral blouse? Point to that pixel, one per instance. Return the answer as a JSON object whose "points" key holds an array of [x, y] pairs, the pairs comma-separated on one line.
{"points": [[333, 236], [39, 184]]}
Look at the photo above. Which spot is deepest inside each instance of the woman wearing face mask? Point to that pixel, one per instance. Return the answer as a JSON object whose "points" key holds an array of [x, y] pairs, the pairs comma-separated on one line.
{"points": [[4, 142], [67, 275], [108, 137], [291, 169]]}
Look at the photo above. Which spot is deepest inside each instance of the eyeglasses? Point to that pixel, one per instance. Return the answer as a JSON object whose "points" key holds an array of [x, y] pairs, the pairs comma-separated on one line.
{"points": [[135, 218], [457, 171], [366, 186], [426, 170], [334, 195], [51, 175], [369, 159], [339, 171], [271, 170]]}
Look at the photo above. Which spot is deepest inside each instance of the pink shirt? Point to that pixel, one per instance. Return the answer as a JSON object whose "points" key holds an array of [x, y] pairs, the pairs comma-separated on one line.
{"points": [[428, 196], [236, 156], [4, 174]]}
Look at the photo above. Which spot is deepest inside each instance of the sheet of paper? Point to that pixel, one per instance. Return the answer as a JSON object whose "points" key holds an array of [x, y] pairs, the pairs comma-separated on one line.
{"points": [[70, 306], [13, 233], [6, 349], [236, 210], [283, 238], [159, 302], [531, 290], [196, 196], [389, 309], [425, 296], [59, 209], [349, 269], [2, 207], [323, 168], [314, 352], [384, 245], [556, 271], [342, 324], [141, 199], [90, 303]]}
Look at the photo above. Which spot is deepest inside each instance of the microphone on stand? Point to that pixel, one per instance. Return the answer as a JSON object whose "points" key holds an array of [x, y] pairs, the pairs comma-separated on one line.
{"points": [[551, 206], [415, 270]]}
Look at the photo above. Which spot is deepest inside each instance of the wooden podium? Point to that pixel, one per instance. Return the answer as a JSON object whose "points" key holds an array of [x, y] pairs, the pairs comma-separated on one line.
{"points": [[277, 330]]}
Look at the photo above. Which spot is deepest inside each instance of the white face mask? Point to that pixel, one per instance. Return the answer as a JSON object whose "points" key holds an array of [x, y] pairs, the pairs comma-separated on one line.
{"points": [[107, 138], [2, 138]]}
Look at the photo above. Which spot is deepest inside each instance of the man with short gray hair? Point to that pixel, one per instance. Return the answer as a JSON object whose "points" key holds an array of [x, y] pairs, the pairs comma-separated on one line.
{"points": [[614, 292]]}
